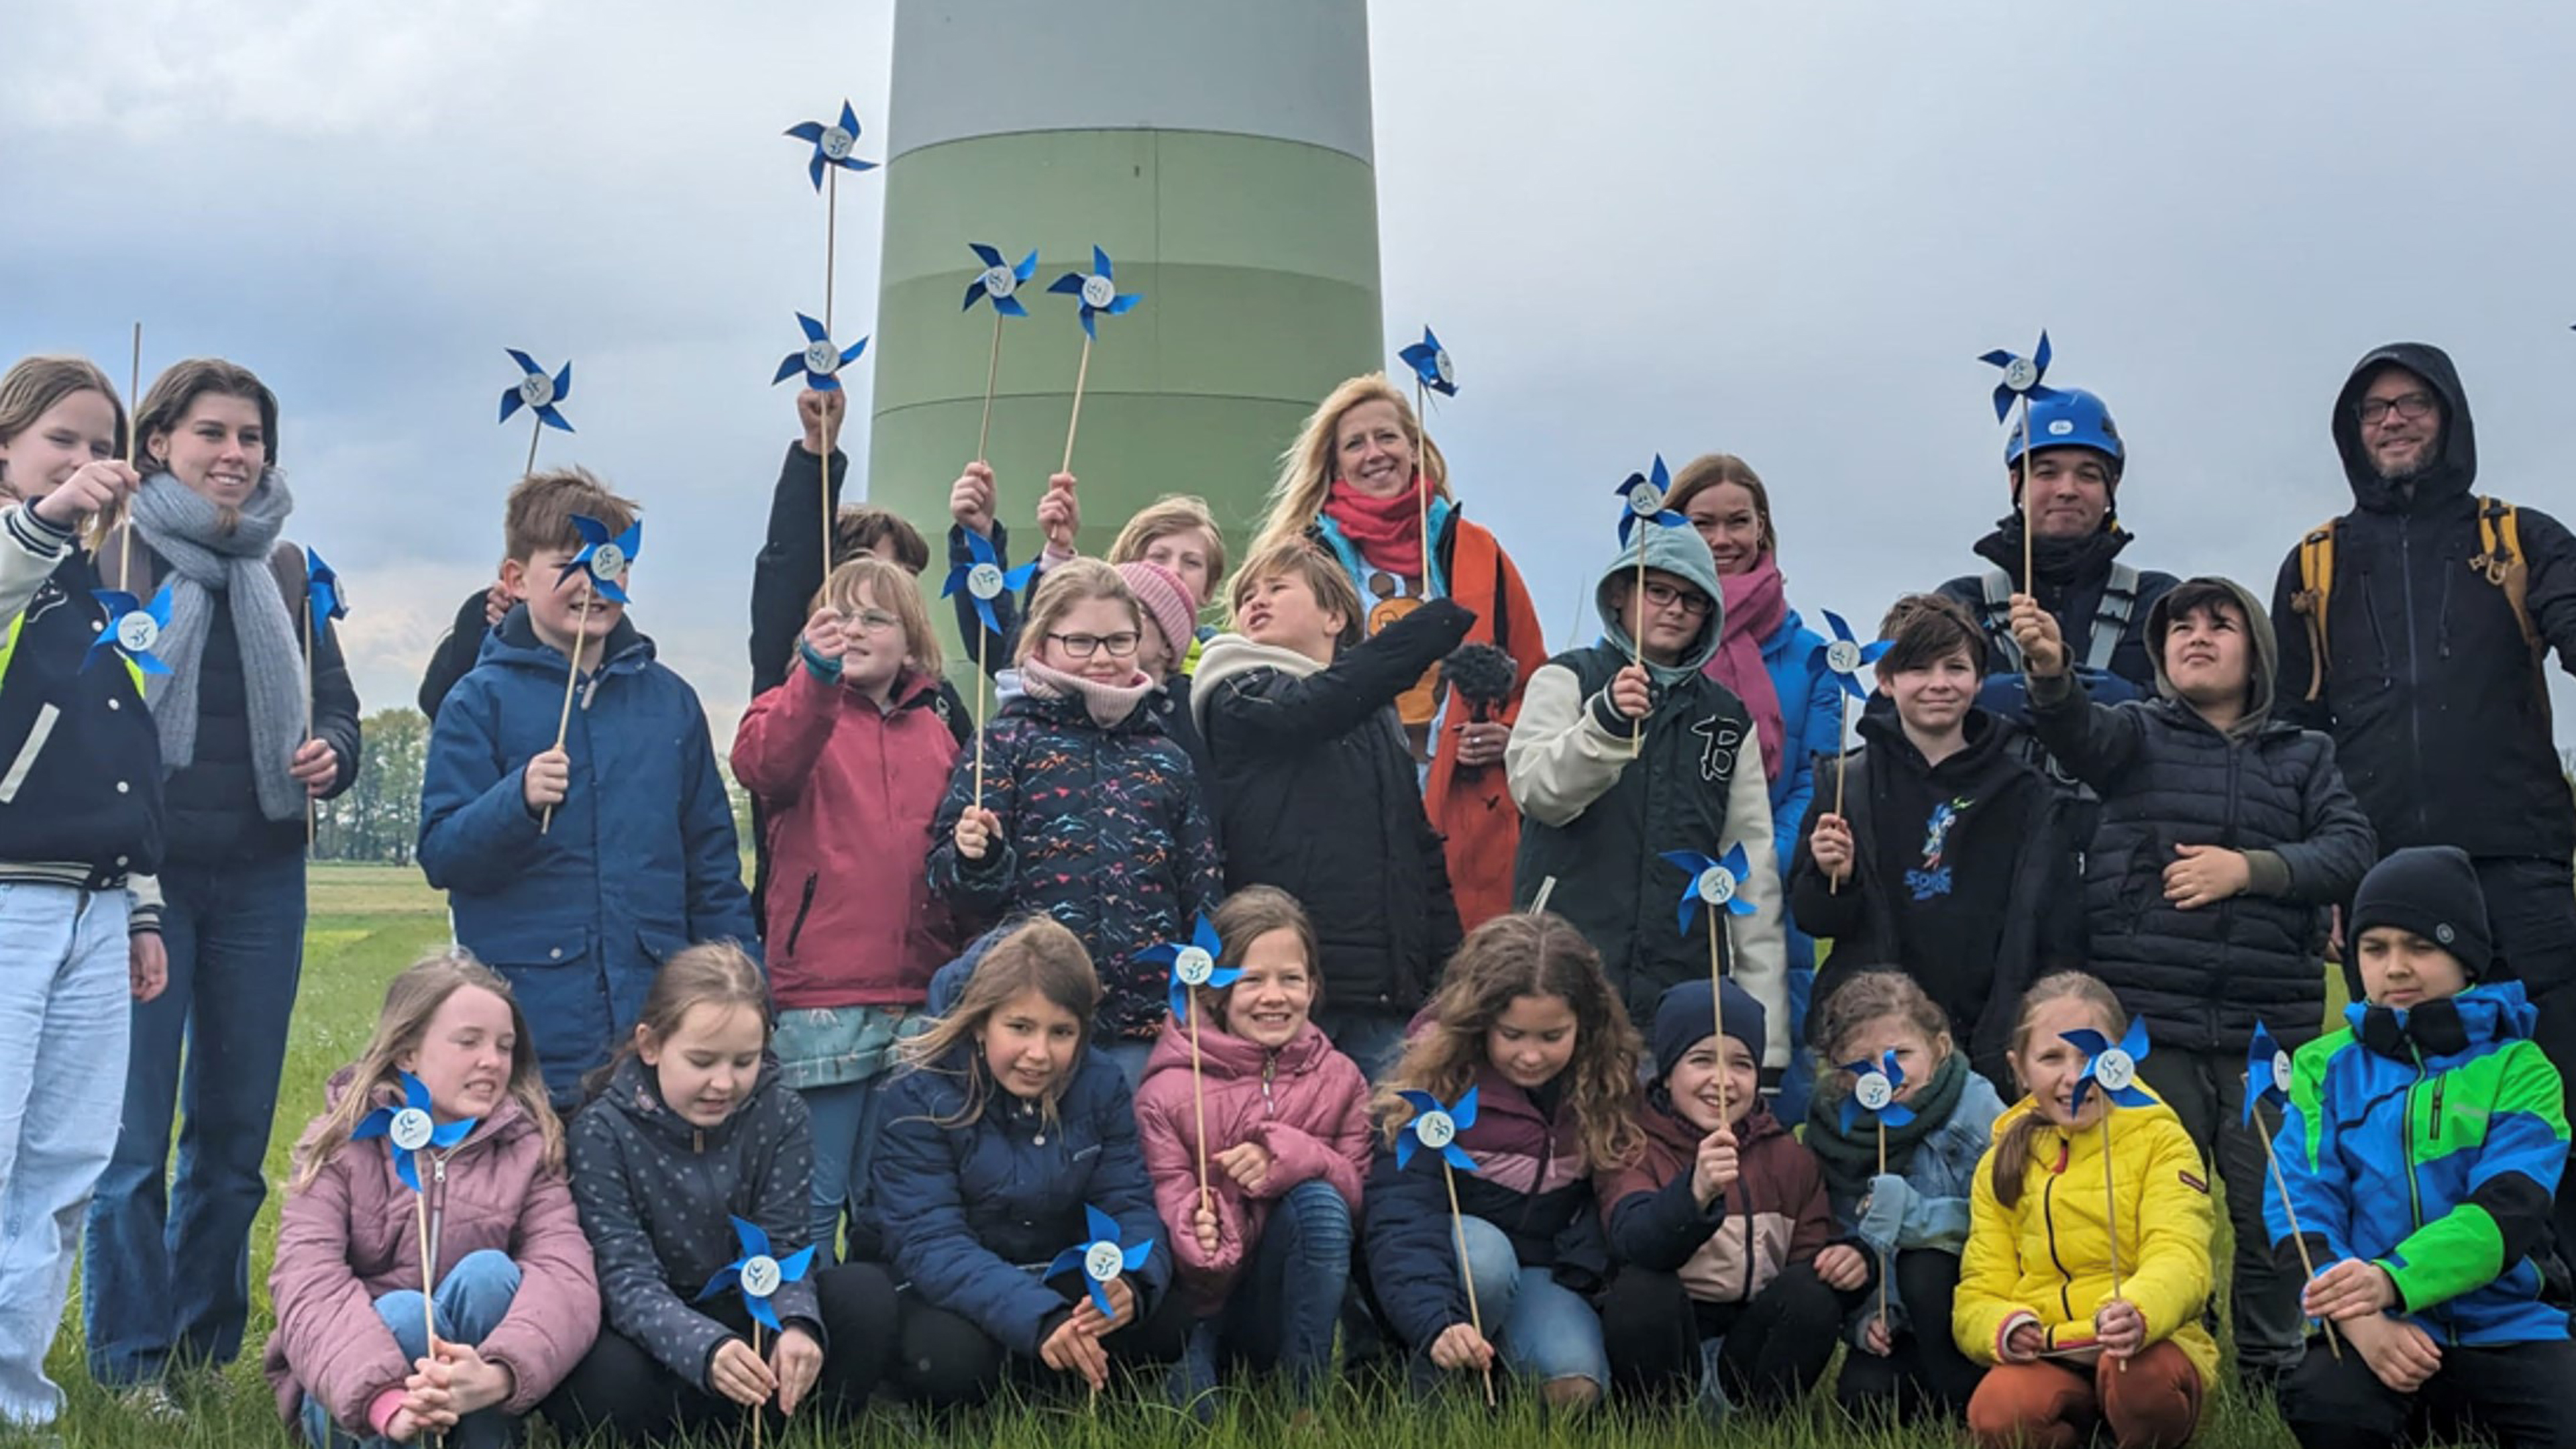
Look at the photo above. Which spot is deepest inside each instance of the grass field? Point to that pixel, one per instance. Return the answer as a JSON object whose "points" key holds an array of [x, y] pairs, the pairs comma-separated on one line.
{"points": [[367, 922]]}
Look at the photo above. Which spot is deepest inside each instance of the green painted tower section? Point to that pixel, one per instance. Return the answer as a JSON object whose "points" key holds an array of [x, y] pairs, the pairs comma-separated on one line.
{"points": [[1219, 150]]}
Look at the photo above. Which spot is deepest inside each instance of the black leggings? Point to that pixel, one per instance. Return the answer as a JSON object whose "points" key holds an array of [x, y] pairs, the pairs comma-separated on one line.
{"points": [[1924, 1374], [629, 1397], [947, 1362], [1776, 1346]]}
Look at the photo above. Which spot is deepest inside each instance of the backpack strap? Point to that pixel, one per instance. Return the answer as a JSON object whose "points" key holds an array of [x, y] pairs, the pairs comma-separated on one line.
{"points": [[2111, 616], [2316, 589], [2502, 560], [1997, 587]]}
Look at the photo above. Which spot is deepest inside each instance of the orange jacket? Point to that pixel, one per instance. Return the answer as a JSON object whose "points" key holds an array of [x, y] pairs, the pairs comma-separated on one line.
{"points": [[1471, 806]]}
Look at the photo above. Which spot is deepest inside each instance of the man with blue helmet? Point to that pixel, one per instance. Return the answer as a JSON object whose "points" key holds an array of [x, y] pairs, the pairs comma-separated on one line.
{"points": [[2072, 478]]}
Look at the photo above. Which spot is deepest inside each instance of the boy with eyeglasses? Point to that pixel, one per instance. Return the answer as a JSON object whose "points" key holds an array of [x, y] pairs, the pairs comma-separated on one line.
{"points": [[1627, 750]]}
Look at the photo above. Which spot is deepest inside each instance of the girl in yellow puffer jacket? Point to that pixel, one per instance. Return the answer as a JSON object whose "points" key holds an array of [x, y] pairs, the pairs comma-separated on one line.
{"points": [[2036, 1296]]}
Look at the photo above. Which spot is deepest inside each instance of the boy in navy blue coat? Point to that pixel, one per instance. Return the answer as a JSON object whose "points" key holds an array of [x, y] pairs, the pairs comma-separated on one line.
{"points": [[640, 858]]}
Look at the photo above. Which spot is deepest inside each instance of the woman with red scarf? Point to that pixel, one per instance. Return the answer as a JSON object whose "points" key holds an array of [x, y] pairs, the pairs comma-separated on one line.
{"points": [[1354, 484], [1774, 664]]}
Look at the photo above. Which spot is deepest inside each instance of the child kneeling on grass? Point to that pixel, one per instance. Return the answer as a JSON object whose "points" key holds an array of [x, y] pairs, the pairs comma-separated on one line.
{"points": [[2072, 1352], [516, 1303], [2421, 1148]]}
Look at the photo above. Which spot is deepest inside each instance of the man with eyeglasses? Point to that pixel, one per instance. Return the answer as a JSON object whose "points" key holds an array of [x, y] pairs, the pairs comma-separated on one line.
{"points": [[2414, 629]]}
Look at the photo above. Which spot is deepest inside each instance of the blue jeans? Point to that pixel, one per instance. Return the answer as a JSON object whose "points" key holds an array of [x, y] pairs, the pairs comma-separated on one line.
{"points": [[845, 1142], [1130, 1053], [166, 1273], [1546, 1331], [1372, 1037], [62, 1038], [1283, 1310], [472, 1299]]}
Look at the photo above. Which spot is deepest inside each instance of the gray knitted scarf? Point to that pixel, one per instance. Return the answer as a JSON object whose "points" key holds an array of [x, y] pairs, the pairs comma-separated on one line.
{"points": [[186, 528]]}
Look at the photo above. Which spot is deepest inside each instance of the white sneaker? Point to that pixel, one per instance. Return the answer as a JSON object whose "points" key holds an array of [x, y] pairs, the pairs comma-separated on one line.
{"points": [[153, 1403]]}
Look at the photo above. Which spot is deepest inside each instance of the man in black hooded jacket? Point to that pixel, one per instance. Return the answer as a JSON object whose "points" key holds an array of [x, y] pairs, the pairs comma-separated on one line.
{"points": [[2427, 679]]}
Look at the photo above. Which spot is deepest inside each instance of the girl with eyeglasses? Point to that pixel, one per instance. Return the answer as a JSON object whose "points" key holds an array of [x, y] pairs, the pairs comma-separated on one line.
{"points": [[847, 759], [1089, 812]]}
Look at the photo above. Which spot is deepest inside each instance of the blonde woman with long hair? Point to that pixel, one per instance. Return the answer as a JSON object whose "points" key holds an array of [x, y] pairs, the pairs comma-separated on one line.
{"points": [[1363, 481]]}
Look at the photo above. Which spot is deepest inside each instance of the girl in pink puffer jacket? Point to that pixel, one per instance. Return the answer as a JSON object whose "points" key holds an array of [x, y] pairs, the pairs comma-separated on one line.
{"points": [[1265, 1251], [517, 1302]]}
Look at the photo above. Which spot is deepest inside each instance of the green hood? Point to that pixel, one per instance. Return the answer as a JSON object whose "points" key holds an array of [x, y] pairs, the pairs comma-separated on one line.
{"points": [[2264, 655], [1675, 551]]}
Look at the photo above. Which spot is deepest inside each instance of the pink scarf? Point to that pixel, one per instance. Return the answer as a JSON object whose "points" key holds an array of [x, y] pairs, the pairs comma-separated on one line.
{"points": [[1756, 603]]}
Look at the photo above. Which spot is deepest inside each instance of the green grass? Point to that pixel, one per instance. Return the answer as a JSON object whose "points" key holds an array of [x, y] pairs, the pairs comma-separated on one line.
{"points": [[368, 922]]}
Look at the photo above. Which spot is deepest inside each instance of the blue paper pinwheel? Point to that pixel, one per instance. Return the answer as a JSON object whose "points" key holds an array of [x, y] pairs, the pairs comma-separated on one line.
{"points": [[1713, 882], [1430, 363], [322, 588], [133, 628], [2022, 377], [1644, 494], [1847, 656], [832, 144], [1102, 1259], [999, 282], [410, 1130], [984, 579], [756, 1275], [820, 361], [1193, 964], [1098, 291], [2114, 1069], [537, 392], [604, 558], [1874, 1088], [1435, 1128], [2267, 1073]]}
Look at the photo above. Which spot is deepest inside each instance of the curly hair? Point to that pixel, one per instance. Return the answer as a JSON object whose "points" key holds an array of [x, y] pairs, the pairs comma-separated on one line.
{"points": [[1508, 957]]}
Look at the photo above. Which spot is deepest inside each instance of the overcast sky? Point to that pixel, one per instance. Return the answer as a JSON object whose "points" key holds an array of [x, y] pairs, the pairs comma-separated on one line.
{"points": [[1782, 229]]}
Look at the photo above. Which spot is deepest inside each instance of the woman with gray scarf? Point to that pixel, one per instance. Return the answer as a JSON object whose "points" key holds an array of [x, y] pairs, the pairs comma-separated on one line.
{"points": [[165, 1279]]}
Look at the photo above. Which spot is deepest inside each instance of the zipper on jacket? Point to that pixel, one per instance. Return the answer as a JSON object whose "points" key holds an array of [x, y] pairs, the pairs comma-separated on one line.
{"points": [[2406, 1124], [2048, 1217], [1269, 1074], [437, 1212], [804, 903], [697, 1139], [2442, 620], [2414, 666]]}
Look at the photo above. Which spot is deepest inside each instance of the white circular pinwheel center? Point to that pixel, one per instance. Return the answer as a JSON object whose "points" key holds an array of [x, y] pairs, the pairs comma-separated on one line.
{"points": [[2281, 1069], [1440, 365], [2115, 1069], [1194, 966], [608, 561], [1098, 292], [1716, 885], [822, 358], [837, 142], [984, 581], [760, 1275], [1102, 1262], [1000, 281], [137, 632], [1435, 1129], [1873, 1091], [411, 1129], [536, 389], [2021, 374], [1842, 656], [1645, 499]]}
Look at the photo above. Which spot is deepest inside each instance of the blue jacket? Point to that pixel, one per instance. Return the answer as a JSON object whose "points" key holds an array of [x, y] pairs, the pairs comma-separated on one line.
{"points": [[640, 862], [1811, 724], [1925, 1206], [2430, 1141], [974, 1213]]}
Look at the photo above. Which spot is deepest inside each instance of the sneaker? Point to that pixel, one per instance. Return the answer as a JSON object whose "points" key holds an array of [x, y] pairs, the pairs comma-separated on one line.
{"points": [[153, 1403]]}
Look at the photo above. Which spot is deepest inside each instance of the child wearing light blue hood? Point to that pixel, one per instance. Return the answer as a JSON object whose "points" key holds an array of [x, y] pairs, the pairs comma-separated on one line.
{"points": [[1622, 753]]}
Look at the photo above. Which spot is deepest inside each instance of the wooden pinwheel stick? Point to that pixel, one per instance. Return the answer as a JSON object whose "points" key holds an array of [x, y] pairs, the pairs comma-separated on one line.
{"points": [[1466, 1275], [537, 430], [992, 374], [757, 1413], [1717, 1007], [1842, 767], [1422, 473], [1198, 1102], [831, 258], [979, 715], [1073, 424], [428, 1282], [2110, 1204], [1637, 637], [1886, 1261], [572, 677], [312, 808], [2290, 1210], [133, 459], [2029, 519]]}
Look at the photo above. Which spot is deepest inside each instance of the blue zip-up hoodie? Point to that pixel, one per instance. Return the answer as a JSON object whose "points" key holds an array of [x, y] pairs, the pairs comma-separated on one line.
{"points": [[640, 862], [2430, 1141], [973, 1213], [1922, 1206]]}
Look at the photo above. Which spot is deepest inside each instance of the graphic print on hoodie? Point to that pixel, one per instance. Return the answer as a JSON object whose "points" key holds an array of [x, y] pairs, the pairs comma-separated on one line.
{"points": [[1932, 878]]}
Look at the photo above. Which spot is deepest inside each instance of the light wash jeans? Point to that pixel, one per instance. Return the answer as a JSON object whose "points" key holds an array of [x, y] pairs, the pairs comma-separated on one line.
{"points": [[1545, 1330], [63, 995], [473, 1297]]}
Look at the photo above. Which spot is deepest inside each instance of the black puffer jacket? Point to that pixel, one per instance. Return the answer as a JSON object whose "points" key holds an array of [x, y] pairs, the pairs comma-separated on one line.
{"points": [[1319, 799], [657, 1196], [2436, 710], [2202, 978]]}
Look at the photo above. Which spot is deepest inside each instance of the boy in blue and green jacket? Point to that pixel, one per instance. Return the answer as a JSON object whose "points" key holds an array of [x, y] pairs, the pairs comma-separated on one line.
{"points": [[2421, 1150]]}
